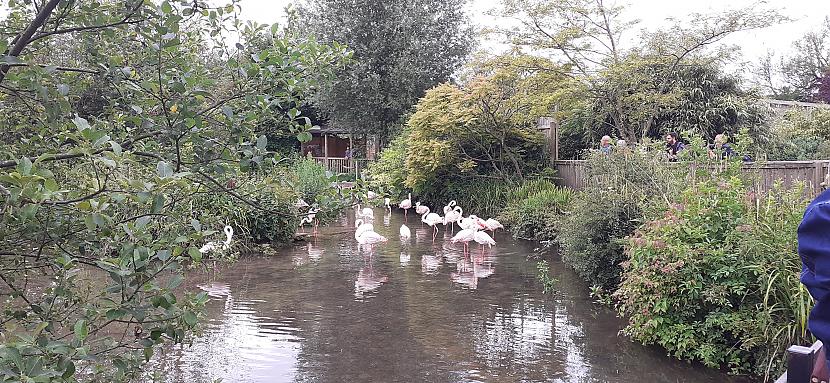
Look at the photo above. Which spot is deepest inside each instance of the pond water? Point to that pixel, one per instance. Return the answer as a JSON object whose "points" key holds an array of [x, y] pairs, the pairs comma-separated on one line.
{"points": [[326, 311]]}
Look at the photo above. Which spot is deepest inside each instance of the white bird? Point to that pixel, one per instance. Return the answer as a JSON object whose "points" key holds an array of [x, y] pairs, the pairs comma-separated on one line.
{"points": [[482, 239], [369, 238], [464, 236], [449, 207], [301, 203], [362, 227], [452, 216], [367, 212], [406, 205], [493, 225], [432, 219], [469, 222], [421, 209], [405, 233], [310, 218], [218, 245], [386, 202]]}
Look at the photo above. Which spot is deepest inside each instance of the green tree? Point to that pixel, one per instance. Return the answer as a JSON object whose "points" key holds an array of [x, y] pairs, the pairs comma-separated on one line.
{"points": [[401, 49], [96, 201], [629, 85], [798, 76]]}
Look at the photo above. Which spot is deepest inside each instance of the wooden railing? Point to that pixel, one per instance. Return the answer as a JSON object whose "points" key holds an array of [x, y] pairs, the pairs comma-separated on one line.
{"points": [[801, 361], [342, 165], [572, 173]]}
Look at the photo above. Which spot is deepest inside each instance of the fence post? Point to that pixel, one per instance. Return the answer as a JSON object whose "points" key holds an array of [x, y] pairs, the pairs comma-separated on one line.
{"points": [[800, 363]]}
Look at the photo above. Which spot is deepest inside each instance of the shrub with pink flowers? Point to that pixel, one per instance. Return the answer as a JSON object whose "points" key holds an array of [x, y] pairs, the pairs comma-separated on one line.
{"points": [[713, 277]]}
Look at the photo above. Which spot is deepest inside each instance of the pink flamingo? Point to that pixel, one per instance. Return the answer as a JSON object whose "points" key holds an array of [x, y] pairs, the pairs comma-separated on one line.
{"points": [[406, 205]]}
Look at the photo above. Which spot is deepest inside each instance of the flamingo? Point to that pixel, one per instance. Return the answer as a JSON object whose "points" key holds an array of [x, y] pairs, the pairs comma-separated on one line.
{"points": [[452, 216], [432, 219], [493, 225], [310, 218], [218, 245], [367, 212], [369, 237], [466, 235], [386, 202], [421, 210], [362, 227], [482, 239], [406, 205], [405, 233], [449, 207], [468, 222]]}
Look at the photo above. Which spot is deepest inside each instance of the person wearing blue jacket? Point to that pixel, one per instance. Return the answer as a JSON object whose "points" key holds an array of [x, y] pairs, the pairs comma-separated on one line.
{"points": [[814, 249]]}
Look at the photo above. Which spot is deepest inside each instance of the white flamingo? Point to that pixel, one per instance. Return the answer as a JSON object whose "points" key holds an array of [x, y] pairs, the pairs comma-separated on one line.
{"points": [[310, 218], [432, 219], [482, 239], [466, 235], [386, 202], [218, 245], [469, 222], [405, 233], [369, 237], [406, 205], [493, 225], [421, 209], [362, 227], [452, 216], [367, 212]]}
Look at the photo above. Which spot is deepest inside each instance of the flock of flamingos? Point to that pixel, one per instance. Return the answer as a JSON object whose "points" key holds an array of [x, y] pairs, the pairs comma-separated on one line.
{"points": [[472, 227]]}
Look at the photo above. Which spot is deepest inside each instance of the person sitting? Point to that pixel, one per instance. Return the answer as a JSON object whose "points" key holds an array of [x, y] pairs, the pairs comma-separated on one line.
{"points": [[605, 145], [674, 145], [814, 250]]}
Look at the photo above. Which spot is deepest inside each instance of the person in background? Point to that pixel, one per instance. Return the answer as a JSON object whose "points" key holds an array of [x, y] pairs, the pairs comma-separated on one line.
{"points": [[814, 250], [622, 144], [348, 153], [725, 149], [605, 145], [673, 145]]}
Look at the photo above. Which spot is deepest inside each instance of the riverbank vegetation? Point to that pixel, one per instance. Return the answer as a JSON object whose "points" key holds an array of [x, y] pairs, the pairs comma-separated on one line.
{"points": [[133, 132]]}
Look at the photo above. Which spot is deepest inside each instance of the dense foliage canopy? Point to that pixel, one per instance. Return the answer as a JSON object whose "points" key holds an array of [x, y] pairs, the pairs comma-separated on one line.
{"points": [[125, 123]]}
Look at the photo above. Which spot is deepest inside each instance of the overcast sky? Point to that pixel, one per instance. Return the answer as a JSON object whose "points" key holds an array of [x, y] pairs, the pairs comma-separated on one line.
{"points": [[808, 14]]}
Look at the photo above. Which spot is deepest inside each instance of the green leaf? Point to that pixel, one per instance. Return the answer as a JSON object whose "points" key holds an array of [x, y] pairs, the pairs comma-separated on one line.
{"points": [[81, 123], [81, 330], [163, 255], [262, 142], [196, 224], [69, 371], [148, 353], [24, 166], [63, 89], [195, 255], [115, 314], [164, 169], [116, 148], [141, 222], [190, 318], [176, 281], [158, 203], [166, 7], [304, 137], [228, 111]]}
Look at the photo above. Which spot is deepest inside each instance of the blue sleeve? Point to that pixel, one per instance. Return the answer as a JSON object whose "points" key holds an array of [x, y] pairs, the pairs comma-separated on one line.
{"points": [[814, 249]]}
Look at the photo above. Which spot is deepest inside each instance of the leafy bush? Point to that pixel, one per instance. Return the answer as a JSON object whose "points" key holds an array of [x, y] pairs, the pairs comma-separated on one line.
{"points": [[388, 173], [310, 178], [609, 208], [534, 210], [252, 224], [714, 278]]}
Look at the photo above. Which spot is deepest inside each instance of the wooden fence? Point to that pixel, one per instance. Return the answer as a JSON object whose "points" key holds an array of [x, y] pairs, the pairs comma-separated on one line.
{"points": [[572, 173]]}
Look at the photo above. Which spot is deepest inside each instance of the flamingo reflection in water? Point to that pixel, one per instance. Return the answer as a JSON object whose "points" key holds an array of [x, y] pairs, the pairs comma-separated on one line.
{"points": [[367, 281], [430, 263], [404, 259], [313, 254], [469, 272]]}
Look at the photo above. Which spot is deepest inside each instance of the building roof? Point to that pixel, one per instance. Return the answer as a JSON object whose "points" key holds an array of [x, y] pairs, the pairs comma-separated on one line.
{"points": [[793, 104], [325, 128]]}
